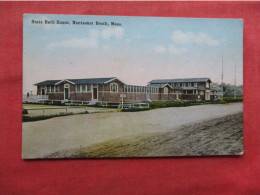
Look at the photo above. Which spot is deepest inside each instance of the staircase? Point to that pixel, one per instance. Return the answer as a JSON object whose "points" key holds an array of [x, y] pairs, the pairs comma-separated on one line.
{"points": [[92, 102]]}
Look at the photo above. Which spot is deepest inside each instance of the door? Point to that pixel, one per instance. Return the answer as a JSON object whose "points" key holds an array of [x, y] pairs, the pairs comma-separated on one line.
{"points": [[43, 91], [95, 93], [207, 96], [148, 93], [66, 93]]}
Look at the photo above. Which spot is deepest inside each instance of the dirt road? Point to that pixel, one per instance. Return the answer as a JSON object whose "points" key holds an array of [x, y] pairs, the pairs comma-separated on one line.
{"points": [[43, 138], [222, 136]]}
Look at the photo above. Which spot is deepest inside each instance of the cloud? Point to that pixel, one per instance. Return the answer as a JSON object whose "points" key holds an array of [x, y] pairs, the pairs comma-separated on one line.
{"points": [[106, 47], [159, 49], [171, 49], [109, 33], [76, 43], [190, 37], [91, 41], [94, 34], [127, 40], [174, 50]]}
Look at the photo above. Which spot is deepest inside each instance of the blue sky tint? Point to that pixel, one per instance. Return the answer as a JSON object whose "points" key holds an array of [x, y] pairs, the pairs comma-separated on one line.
{"points": [[141, 49]]}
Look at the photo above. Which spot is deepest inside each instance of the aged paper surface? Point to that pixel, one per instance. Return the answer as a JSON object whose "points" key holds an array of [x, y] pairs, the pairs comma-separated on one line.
{"points": [[107, 86]]}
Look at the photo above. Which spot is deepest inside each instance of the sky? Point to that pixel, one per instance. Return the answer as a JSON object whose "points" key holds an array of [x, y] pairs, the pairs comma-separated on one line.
{"points": [[137, 50]]}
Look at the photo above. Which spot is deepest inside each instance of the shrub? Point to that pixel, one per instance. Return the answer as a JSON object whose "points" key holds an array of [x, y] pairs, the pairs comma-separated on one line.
{"points": [[134, 109], [230, 99]]}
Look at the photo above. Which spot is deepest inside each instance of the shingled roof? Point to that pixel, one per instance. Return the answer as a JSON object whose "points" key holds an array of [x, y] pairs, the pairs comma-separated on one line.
{"points": [[187, 80], [158, 85], [79, 81], [48, 82], [92, 80]]}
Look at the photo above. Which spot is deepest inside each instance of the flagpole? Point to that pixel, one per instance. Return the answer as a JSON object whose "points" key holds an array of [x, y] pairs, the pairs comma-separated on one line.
{"points": [[222, 91], [235, 83]]}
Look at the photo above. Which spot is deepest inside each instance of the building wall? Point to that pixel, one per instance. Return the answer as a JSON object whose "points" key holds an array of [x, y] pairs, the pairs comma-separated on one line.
{"points": [[107, 96], [56, 96], [189, 97], [81, 96], [106, 87], [136, 97], [155, 96], [104, 94]]}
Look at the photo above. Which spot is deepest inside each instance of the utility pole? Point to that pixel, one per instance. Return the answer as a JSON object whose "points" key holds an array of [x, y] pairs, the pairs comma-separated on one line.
{"points": [[222, 91], [235, 83]]}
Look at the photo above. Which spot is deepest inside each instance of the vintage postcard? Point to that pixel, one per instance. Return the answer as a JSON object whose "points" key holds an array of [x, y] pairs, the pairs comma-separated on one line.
{"points": [[114, 86]]}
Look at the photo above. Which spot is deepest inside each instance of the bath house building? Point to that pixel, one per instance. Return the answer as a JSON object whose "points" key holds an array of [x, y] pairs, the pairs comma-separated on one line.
{"points": [[113, 90]]}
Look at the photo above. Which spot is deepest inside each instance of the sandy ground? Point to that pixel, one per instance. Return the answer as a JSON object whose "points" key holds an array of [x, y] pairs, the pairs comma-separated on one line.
{"points": [[43, 138], [221, 136]]}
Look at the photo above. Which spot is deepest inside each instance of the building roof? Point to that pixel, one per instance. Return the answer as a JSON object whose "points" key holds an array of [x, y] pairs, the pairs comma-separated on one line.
{"points": [[187, 80], [186, 88], [79, 81], [92, 80], [158, 85], [48, 82]]}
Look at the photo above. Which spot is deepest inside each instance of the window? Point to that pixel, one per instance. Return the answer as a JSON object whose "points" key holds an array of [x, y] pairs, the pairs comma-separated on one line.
{"points": [[195, 84], [165, 90], [83, 87], [49, 88], [52, 88], [183, 85], [57, 88], [189, 84], [207, 84], [177, 84], [114, 87], [78, 88], [88, 87]]}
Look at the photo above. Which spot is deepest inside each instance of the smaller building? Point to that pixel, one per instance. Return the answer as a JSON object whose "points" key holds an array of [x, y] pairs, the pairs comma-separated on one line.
{"points": [[188, 88]]}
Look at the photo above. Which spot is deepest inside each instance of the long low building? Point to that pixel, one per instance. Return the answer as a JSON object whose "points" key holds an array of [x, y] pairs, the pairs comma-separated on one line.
{"points": [[114, 90]]}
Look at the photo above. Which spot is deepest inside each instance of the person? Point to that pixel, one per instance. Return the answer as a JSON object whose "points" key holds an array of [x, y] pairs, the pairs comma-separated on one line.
{"points": [[28, 94]]}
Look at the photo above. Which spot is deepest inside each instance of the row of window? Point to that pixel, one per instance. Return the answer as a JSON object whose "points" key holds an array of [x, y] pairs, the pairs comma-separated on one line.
{"points": [[128, 88], [83, 88], [140, 89], [185, 84], [53, 88]]}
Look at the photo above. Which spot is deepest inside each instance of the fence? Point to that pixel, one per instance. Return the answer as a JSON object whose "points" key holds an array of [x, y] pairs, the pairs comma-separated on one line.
{"points": [[34, 98], [66, 109], [134, 105]]}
